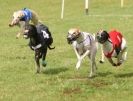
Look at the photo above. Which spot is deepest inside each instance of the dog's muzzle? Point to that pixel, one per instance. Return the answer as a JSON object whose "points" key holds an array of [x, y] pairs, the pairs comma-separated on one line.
{"points": [[14, 23], [100, 39], [71, 39]]}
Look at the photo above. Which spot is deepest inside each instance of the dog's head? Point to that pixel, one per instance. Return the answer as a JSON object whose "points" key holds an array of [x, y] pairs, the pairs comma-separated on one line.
{"points": [[102, 36], [73, 34], [17, 16], [30, 31]]}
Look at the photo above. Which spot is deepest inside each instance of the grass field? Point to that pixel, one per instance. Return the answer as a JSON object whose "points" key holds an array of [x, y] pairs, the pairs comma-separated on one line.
{"points": [[60, 81]]}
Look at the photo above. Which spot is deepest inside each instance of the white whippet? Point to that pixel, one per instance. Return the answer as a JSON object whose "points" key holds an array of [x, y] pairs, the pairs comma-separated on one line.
{"points": [[84, 44]]}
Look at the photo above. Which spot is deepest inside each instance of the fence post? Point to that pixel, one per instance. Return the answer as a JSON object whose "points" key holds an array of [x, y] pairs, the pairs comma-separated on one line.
{"points": [[86, 7], [62, 9], [122, 3]]}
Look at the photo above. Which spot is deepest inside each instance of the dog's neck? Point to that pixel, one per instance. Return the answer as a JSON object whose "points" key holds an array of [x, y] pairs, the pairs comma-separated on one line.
{"points": [[108, 46], [80, 38]]}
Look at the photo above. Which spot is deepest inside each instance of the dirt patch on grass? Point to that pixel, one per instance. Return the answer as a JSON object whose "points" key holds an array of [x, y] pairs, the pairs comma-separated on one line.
{"points": [[69, 91], [98, 84]]}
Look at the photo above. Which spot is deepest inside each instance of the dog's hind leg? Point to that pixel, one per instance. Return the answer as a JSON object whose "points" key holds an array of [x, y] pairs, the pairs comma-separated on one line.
{"points": [[44, 63], [124, 49], [93, 66], [123, 53], [77, 54], [122, 56], [37, 58]]}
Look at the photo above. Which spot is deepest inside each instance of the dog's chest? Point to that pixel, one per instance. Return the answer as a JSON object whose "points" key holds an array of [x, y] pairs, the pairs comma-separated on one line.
{"points": [[109, 50], [83, 43], [82, 47], [33, 42]]}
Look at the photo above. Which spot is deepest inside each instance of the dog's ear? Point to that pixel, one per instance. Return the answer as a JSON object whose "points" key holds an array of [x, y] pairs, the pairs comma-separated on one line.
{"points": [[77, 31], [74, 31], [20, 14], [100, 31]]}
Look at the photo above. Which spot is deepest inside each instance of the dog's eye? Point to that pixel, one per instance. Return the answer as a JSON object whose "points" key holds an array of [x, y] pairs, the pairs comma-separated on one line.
{"points": [[19, 17], [74, 33]]}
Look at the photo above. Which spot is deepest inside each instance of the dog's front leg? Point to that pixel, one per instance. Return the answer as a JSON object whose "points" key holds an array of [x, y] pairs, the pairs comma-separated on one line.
{"points": [[22, 25], [102, 55], [75, 50], [44, 63], [111, 61], [93, 66], [37, 61], [81, 58], [78, 57], [77, 54], [85, 54]]}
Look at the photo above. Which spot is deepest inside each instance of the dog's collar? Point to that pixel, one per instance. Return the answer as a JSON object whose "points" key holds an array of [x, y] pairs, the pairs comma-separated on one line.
{"points": [[88, 36]]}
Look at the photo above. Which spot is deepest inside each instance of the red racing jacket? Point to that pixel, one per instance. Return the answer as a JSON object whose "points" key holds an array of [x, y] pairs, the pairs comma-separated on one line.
{"points": [[116, 39]]}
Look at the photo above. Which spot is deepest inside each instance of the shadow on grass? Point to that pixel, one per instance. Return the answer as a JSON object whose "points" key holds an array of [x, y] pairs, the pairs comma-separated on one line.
{"points": [[53, 71], [124, 75], [4, 56], [104, 74]]}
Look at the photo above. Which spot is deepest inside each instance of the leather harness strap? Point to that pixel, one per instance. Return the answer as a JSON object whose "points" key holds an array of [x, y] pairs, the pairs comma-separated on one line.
{"points": [[86, 39]]}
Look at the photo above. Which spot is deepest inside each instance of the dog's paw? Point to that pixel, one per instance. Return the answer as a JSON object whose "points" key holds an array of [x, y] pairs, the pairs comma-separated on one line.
{"points": [[92, 76], [44, 63], [101, 61], [38, 71], [10, 25], [17, 37], [118, 64], [114, 64]]}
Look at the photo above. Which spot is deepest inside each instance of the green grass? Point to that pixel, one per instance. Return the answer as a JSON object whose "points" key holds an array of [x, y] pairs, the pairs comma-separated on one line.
{"points": [[60, 81]]}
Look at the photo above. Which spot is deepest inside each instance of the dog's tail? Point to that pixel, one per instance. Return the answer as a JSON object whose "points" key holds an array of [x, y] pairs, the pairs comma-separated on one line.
{"points": [[51, 47]]}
